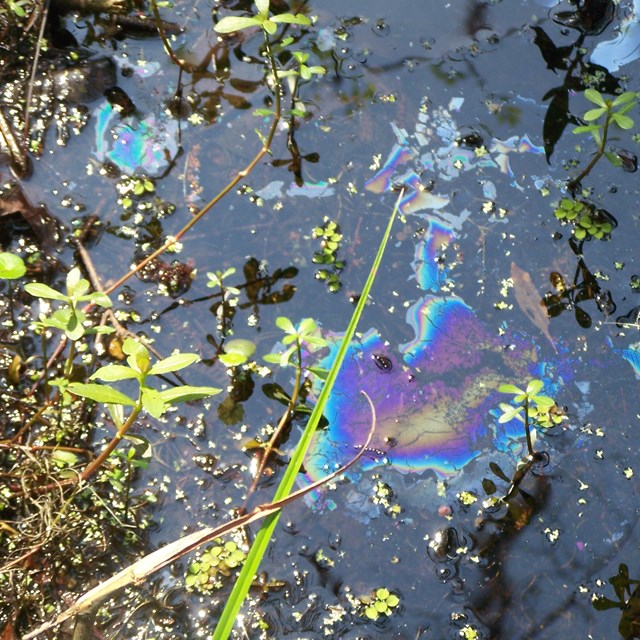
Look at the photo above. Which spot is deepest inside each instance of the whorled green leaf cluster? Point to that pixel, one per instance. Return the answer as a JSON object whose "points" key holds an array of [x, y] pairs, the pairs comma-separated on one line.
{"points": [[261, 19], [215, 563], [606, 113], [305, 335], [528, 402], [330, 239], [587, 221], [68, 317], [615, 112]]}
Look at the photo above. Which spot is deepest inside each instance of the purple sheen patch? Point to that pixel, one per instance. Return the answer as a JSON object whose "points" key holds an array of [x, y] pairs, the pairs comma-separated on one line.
{"points": [[430, 275], [146, 145], [417, 428]]}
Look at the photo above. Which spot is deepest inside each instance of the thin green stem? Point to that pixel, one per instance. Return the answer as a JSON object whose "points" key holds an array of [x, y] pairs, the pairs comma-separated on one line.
{"points": [[573, 184], [68, 365]]}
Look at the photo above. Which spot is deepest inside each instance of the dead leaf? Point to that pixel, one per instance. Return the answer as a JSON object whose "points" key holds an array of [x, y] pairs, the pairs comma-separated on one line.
{"points": [[530, 301]]}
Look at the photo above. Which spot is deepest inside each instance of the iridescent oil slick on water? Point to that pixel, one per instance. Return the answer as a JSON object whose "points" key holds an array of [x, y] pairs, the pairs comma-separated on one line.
{"points": [[133, 144], [435, 394]]}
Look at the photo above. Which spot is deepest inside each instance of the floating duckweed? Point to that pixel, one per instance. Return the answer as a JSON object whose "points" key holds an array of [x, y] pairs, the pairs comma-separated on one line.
{"points": [[468, 633], [381, 603], [215, 563], [467, 498], [587, 221], [330, 244]]}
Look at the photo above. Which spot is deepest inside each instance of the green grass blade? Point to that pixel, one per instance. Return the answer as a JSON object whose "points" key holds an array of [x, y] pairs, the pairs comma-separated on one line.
{"points": [[257, 551]]}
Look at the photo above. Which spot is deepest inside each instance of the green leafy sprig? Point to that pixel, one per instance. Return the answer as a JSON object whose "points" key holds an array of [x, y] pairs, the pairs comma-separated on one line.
{"points": [[606, 113]]}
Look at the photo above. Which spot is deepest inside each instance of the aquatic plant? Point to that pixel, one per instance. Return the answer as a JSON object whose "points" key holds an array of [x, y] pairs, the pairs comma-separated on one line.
{"points": [[330, 238], [586, 220], [530, 408], [381, 602], [606, 113], [214, 564]]}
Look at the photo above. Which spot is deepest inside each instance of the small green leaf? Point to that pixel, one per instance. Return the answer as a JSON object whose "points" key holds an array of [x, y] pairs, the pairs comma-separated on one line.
{"points": [[593, 114], [138, 355], [100, 393], [305, 74], [40, 290], [74, 277], [625, 97], [153, 402], [613, 158], [64, 458], [229, 24], [544, 402], [507, 416], [371, 612], [300, 56], [393, 600], [263, 7], [587, 128], [317, 70], [102, 329], [509, 388], [307, 325], [534, 386], [232, 359], [318, 371], [270, 27], [273, 358], [285, 324], [595, 96], [114, 373], [173, 363], [11, 266], [75, 329], [187, 393], [624, 122], [240, 346], [289, 18], [99, 298], [117, 414], [263, 112]]}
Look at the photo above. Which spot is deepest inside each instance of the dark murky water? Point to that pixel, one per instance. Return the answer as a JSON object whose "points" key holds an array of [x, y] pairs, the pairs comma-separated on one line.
{"points": [[453, 101]]}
